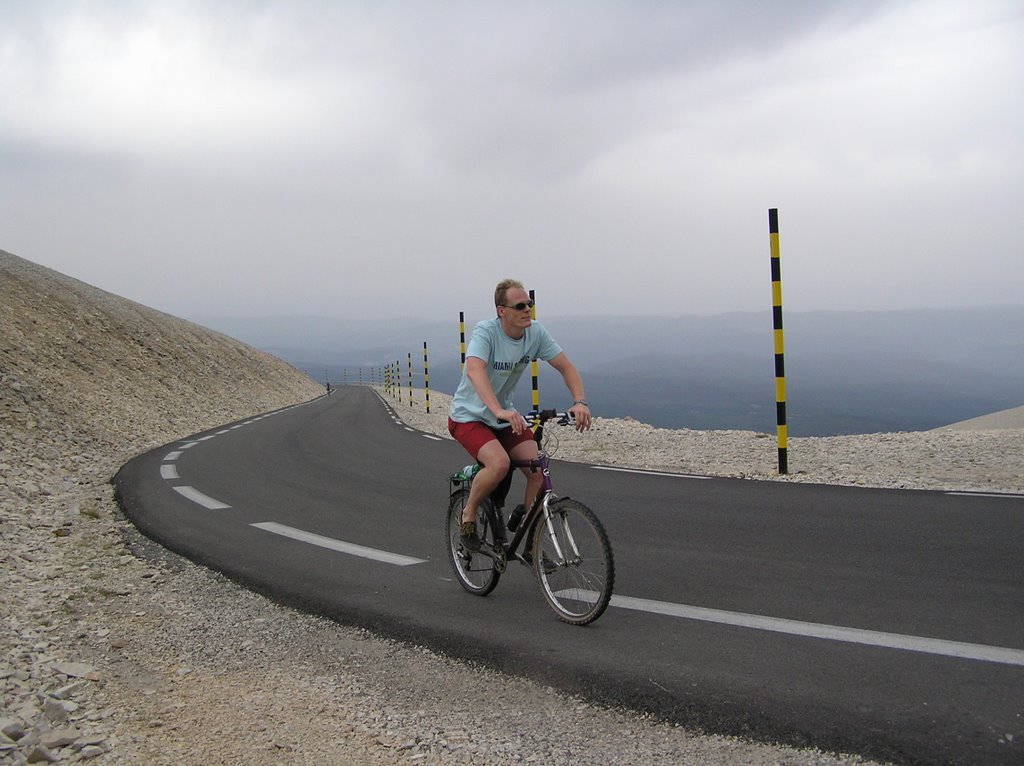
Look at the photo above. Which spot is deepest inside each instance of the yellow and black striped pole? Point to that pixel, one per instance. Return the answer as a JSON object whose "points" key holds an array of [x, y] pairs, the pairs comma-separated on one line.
{"points": [[398, 379], [426, 377], [462, 341], [535, 379], [410, 378], [780, 367]]}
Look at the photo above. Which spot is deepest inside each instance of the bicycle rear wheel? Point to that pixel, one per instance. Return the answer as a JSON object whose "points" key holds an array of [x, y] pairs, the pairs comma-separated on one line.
{"points": [[476, 571], [573, 561]]}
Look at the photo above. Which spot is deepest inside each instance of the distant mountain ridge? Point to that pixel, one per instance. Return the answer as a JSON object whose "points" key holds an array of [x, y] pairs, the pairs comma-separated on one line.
{"points": [[846, 372]]}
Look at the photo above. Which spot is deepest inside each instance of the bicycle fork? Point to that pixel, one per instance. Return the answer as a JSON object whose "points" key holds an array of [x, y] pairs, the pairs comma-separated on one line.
{"points": [[548, 522], [566, 550]]}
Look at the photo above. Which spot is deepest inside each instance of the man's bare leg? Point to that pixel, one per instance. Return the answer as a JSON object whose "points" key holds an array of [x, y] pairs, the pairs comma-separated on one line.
{"points": [[534, 478], [495, 463]]}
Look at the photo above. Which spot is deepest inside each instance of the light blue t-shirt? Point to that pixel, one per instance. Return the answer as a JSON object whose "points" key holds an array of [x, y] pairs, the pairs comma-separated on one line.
{"points": [[506, 359]]}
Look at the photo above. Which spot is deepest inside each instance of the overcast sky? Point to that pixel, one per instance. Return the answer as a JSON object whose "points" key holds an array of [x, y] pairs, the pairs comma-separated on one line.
{"points": [[399, 158]]}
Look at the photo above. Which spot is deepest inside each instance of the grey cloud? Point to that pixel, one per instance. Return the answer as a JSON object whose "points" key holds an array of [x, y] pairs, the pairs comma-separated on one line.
{"points": [[342, 157]]}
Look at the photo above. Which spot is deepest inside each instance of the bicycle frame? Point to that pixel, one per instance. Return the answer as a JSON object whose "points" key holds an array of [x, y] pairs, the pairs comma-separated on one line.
{"points": [[540, 504], [544, 495]]}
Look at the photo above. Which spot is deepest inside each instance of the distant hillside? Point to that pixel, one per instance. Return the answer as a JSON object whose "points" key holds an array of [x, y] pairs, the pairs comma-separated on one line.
{"points": [[847, 372], [994, 421]]}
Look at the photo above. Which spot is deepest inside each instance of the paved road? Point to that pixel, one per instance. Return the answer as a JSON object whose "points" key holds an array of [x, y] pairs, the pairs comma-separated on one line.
{"points": [[888, 623]]}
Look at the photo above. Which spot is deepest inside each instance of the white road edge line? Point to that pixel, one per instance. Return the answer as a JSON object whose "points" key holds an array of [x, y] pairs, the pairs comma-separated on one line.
{"points": [[986, 494], [169, 471], [338, 545], [938, 646], [173, 455], [433, 438], [648, 473], [198, 497]]}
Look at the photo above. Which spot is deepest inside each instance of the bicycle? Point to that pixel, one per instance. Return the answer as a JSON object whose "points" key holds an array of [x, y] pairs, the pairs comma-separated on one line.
{"points": [[567, 547]]}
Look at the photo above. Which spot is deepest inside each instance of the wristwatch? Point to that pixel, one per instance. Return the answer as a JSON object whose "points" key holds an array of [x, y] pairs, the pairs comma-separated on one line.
{"points": [[581, 401]]}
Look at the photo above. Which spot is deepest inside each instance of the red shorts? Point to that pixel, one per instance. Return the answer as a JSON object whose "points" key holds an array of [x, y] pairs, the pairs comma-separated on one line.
{"points": [[475, 435]]}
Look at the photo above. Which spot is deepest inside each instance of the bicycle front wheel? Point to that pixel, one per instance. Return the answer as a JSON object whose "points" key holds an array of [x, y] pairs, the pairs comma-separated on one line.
{"points": [[477, 572], [573, 561]]}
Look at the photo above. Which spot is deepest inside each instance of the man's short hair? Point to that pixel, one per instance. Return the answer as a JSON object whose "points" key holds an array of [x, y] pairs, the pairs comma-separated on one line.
{"points": [[502, 289]]}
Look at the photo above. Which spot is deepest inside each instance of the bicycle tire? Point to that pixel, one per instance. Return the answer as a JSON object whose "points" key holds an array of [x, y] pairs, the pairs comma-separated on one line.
{"points": [[573, 562], [476, 572]]}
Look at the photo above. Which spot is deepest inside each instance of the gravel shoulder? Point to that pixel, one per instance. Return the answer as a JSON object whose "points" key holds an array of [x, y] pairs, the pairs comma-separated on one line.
{"points": [[950, 458], [114, 651]]}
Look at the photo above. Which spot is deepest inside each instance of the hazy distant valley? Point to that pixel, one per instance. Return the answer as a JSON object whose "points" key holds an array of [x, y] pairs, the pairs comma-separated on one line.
{"points": [[846, 372]]}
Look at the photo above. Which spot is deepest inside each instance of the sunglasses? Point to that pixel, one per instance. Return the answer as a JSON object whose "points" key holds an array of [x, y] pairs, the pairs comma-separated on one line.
{"points": [[519, 306]]}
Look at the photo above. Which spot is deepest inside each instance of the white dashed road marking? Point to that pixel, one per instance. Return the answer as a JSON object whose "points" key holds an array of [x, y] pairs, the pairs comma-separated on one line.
{"points": [[338, 545], [198, 497]]}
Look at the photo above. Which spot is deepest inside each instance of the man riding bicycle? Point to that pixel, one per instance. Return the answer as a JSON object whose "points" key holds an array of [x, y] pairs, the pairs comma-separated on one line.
{"points": [[482, 417]]}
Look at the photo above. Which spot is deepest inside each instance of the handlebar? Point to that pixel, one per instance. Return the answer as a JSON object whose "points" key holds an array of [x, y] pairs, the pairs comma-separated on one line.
{"points": [[540, 417]]}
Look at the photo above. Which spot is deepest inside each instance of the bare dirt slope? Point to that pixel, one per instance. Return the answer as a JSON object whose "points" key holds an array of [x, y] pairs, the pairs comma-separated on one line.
{"points": [[89, 365]]}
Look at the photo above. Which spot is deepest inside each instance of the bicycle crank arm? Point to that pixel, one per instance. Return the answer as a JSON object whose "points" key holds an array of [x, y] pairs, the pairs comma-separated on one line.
{"points": [[498, 555]]}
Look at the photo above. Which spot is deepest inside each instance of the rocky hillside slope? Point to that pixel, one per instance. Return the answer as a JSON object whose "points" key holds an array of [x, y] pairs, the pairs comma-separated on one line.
{"points": [[81, 365]]}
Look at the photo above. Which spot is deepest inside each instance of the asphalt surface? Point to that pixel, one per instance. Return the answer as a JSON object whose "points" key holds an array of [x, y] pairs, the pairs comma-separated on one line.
{"points": [[881, 622]]}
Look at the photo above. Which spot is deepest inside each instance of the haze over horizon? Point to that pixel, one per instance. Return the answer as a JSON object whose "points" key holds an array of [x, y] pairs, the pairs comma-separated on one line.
{"points": [[369, 159]]}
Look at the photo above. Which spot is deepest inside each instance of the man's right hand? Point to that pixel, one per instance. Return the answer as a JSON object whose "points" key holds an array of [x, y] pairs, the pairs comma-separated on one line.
{"points": [[513, 418]]}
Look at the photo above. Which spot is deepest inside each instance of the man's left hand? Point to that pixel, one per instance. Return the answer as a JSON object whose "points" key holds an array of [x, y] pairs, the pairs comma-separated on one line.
{"points": [[581, 414]]}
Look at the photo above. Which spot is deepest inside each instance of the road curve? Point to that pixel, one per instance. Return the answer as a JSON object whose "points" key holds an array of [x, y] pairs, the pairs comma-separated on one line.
{"points": [[887, 623]]}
